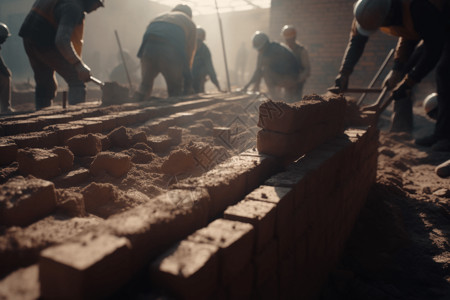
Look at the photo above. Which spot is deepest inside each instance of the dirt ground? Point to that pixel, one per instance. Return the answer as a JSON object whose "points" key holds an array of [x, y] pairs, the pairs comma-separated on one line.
{"points": [[400, 246]]}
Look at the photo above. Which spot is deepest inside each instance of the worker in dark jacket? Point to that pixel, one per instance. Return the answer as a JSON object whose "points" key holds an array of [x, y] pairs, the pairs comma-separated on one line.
{"points": [[53, 39], [412, 21], [203, 65], [5, 75], [289, 34], [168, 47], [278, 66]]}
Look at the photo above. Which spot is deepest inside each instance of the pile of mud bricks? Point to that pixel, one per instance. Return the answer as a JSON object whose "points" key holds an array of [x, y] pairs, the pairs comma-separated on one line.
{"points": [[253, 227]]}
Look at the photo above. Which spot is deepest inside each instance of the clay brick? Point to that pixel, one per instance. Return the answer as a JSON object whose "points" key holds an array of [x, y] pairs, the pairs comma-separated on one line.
{"points": [[84, 145], [286, 271], [176, 134], [21, 284], [56, 119], [89, 126], [108, 122], [25, 200], [159, 125], [160, 143], [261, 215], [115, 164], [266, 263], [235, 241], [8, 151], [242, 285], [152, 227], [188, 269], [86, 268], [15, 127], [40, 163], [40, 139], [65, 131]]}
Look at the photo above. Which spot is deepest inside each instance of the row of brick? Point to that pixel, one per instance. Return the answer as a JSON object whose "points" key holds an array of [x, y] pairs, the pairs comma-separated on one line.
{"points": [[300, 220]]}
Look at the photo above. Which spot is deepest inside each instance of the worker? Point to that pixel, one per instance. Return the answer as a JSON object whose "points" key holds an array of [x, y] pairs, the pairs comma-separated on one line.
{"points": [[126, 69], [203, 66], [5, 75], [241, 64], [168, 47], [53, 39], [278, 67], [289, 34], [411, 21]]}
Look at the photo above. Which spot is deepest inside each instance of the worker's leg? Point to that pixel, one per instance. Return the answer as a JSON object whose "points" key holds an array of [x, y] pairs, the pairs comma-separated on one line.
{"points": [[5, 94], [402, 117], [172, 68], [149, 71], [44, 77]]}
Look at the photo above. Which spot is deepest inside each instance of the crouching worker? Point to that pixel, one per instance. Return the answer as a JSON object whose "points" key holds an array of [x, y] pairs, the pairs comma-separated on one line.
{"points": [[53, 39]]}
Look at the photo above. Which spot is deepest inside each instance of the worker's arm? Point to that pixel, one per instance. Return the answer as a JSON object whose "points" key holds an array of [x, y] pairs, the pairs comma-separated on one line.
{"points": [[306, 66], [69, 17], [210, 68], [257, 75]]}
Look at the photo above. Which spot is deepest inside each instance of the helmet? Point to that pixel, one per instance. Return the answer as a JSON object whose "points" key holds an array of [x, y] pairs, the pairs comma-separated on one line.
{"points": [[4, 31], [201, 33], [288, 32], [259, 40], [370, 14], [430, 105], [184, 9]]}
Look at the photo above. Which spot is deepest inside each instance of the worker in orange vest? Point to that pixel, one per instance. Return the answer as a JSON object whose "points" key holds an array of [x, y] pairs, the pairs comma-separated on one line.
{"points": [[53, 39]]}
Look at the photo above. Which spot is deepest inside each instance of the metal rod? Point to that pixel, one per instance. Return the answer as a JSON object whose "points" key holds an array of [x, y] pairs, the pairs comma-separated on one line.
{"points": [[380, 70], [223, 47], [64, 99], [123, 60], [97, 81], [357, 90]]}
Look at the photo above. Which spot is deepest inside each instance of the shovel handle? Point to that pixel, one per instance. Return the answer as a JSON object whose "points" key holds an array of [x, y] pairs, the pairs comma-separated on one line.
{"points": [[97, 81]]}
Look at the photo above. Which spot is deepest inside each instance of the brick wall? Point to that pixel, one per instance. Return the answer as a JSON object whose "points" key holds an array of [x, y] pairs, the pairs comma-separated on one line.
{"points": [[323, 28]]}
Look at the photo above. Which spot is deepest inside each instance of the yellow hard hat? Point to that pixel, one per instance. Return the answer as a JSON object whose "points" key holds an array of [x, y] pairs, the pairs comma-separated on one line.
{"points": [[289, 32]]}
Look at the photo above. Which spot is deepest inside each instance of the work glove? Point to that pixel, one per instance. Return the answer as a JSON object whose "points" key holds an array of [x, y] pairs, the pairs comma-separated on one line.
{"points": [[341, 82], [83, 71], [392, 79], [403, 89]]}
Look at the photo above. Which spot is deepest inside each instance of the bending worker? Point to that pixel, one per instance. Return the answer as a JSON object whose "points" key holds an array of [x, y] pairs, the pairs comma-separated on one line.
{"points": [[203, 65], [53, 38], [290, 34], [277, 66], [168, 47], [5, 75], [412, 21]]}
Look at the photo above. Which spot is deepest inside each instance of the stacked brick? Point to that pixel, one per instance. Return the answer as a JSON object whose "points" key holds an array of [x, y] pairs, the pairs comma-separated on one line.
{"points": [[289, 131], [299, 218]]}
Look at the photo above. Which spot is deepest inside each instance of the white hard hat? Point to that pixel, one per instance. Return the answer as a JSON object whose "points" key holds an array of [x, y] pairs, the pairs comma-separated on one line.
{"points": [[201, 33], [4, 31], [430, 105], [184, 9], [259, 40], [370, 14], [288, 32]]}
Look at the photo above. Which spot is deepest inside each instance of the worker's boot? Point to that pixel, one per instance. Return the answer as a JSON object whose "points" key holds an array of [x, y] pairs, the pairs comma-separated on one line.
{"points": [[43, 103], [402, 117]]}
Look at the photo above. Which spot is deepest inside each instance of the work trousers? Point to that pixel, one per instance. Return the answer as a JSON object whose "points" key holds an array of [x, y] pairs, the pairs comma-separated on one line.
{"points": [[164, 58], [44, 62], [282, 86], [5, 93], [442, 128]]}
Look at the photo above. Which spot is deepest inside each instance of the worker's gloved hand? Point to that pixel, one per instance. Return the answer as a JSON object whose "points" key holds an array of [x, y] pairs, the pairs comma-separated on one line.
{"points": [[392, 79], [403, 89], [341, 82], [83, 71]]}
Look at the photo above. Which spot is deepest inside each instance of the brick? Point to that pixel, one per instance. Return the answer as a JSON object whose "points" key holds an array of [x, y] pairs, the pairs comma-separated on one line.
{"points": [[8, 151], [160, 143], [56, 119], [176, 134], [89, 126], [160, 125], [21, 284], [286, 281], [242, 285], [40, 139], [265, 263], [152, 227], [115, 164], [188, 269], [15, 127], [89, 267], [25, 200], [108, 122], [260, 214], [65, 131], [235, 241], [84, 145], [40, 163]]}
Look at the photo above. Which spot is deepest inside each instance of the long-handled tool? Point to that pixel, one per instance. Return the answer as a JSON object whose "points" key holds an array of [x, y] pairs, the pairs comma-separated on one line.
{"points": [[336, 90], [97, 81]]}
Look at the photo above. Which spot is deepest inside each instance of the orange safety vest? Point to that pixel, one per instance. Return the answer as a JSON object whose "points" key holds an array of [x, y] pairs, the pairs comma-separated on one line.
{"points": [[45, 8], [406, 30]]}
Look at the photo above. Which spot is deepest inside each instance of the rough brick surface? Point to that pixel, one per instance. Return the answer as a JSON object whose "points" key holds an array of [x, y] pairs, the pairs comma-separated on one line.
{"points": [[115, 164], [8, 151], [235, 240], [90, 267], [40, 163], [190, 270], [85, 145], [25, 200], [65, 131], [260, 214]]}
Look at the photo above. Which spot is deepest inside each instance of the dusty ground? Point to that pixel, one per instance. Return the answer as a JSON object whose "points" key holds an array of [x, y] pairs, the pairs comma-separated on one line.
{"points": [[400, 246]]}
